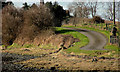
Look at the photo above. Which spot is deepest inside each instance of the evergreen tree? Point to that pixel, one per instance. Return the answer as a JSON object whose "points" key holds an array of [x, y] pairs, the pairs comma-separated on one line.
{"points": [[58, 12], [26, 6]]}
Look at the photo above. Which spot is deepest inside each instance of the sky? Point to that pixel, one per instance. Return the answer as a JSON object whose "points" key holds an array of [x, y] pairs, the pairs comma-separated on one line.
{"points": [[62, 0], [19, 3], [64, 3]]}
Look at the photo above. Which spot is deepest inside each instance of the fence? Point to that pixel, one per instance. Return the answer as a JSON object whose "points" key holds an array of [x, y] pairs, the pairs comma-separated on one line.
{"points": [[114, 39]]}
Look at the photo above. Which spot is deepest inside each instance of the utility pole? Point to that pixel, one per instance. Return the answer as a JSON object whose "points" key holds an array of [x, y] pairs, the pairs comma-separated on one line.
{"points": [[114, 30], [114, 12]]}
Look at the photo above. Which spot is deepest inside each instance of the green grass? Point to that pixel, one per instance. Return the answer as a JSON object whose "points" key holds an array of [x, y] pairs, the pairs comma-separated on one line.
{"points": [[32, 49], [83, 41], [106, 33], [15, 45]]}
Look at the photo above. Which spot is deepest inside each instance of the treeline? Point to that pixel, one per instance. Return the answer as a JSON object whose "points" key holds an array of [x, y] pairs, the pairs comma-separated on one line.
{"points": [[29, 23], [91, 9], [58, 12]]}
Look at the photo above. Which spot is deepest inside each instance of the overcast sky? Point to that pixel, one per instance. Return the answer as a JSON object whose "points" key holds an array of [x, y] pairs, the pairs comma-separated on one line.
{"points": [[62, 0], [64, 3], [19, 3]]}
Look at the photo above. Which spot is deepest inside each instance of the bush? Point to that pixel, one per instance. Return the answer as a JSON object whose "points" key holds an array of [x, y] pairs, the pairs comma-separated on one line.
{"points": [[97, 19], [24, 25], [38, 24], [36, 20], [11, 24], [40, 17]]}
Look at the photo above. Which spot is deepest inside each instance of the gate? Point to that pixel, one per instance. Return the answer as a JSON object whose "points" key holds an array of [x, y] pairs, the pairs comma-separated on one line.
{"points": [[114, 39]]}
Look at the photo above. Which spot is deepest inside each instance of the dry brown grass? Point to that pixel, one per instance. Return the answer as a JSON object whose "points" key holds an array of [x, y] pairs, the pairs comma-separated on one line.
{"points": [[35, 51], [62, 62]]}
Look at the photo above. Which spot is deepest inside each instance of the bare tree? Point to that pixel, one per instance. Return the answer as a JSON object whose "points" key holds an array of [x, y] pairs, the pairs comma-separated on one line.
{"points": [[109, 13], [84, 9], [93, 8], [79, 9], [109, 10]]}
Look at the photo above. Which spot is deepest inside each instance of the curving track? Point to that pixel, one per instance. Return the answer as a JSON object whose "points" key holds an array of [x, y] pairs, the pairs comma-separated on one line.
{"points": [[97, 41]]}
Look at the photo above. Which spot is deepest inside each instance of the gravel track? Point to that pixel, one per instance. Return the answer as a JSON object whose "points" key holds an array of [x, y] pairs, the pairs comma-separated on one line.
{"points": [[97, 41]]}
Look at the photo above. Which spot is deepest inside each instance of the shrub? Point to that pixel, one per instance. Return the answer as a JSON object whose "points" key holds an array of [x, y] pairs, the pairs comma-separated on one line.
{"points": [[39, 16], [25, 25], [38, 23], [97, 19], [11, 24], [36, 20]]}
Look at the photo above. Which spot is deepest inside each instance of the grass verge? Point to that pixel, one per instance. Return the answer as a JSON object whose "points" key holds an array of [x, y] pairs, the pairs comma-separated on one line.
{"points": [[83, 39]]}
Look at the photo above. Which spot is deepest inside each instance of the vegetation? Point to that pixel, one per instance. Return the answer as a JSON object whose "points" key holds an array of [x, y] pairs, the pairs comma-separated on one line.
{"points": [[97, 19], [83, 9], [32, 22], [26, 6], [109, 10], [75, 49], [83, 39], [3, 4], [12, 21], [106, 33], [58, 12], [119, 33], [27, 24], [34, 37]]}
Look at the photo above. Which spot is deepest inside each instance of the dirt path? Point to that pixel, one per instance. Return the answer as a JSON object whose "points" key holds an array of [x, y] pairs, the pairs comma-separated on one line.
{"points": [[97, 41]]}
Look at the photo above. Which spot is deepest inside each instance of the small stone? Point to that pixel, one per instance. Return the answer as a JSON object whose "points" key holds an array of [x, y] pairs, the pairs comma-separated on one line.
{"points": [[52, 68], [49, 63], [94, 60], [57, 65], [102, 57], [26, 50], [42, 68]]}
